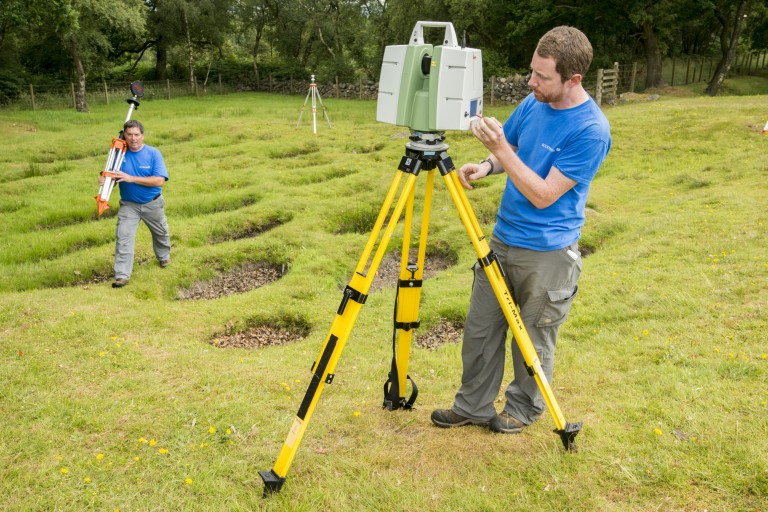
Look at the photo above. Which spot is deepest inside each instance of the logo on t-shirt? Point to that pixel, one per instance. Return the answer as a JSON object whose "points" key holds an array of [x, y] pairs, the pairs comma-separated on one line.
{"points": [[549, 148]]}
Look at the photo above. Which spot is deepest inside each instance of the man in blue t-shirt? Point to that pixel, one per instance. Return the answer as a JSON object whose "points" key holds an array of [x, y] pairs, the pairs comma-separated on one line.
{"points": [[549, 149], [141, 179]]}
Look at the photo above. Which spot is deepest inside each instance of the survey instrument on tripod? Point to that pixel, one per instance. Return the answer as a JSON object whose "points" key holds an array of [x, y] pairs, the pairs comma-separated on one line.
{"points": [[116, 153], [315, 95], [428, 108]]}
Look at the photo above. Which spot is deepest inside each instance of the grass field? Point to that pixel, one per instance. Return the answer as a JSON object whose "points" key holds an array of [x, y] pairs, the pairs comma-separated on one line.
{"points": [[123, 399]]}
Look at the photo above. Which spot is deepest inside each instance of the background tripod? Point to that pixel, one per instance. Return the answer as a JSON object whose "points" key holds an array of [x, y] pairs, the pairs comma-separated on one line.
{"points": [[315, 94], [426, 151]]}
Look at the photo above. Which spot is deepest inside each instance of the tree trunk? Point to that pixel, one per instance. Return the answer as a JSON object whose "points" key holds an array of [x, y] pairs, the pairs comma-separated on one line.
{"points": [[189, 52], [161, 60], [256, 45], [724, 66], [80, 104], [653, 77]]}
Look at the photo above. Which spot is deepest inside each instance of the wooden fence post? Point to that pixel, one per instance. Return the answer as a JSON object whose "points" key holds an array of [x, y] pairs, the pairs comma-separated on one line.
{"points": [[599, 87], [168, 87], [337, 87], [106, 92], [672, 81], [493, 90], [74, 100], [632, 80], [361, 88], [32, 95]]}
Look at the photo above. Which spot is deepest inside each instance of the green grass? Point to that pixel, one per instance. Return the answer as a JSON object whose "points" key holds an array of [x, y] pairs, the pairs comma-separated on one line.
{"points": [[116, 399]]}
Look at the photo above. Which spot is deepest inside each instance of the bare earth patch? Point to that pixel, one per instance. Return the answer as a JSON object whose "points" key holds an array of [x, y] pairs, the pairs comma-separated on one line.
{"points": [[441, 334], [389, 269], [257, 337], [241, 280]]}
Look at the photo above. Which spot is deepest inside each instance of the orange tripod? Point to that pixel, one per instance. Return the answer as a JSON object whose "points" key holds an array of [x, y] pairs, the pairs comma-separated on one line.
{"points": [[117, 153]]}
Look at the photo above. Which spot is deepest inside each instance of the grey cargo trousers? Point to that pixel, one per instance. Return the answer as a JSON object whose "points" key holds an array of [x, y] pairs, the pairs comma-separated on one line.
{"points": [[543, 285], [128, 218]]}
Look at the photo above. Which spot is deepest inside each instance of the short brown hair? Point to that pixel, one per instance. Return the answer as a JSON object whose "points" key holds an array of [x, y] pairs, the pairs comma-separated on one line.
{"points": [[569, 47], [133, 124]]}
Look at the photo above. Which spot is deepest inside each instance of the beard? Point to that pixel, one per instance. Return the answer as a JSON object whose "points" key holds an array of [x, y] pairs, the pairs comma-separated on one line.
{"points": [[547, 98]]}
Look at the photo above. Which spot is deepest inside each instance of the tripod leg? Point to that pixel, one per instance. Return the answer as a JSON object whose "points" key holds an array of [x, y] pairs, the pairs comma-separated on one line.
{"points": [[314, 109], [487, 259], [301, 112], [325, 112], [353, 298], [407, 304]]}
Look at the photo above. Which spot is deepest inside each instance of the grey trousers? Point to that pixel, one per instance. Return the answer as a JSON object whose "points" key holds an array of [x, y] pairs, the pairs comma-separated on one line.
{"points": [[543, 285], [128, 218]]}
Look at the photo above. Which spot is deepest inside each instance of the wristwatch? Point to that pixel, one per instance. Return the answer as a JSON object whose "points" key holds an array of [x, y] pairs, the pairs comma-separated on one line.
{"points": [[490, 162]]}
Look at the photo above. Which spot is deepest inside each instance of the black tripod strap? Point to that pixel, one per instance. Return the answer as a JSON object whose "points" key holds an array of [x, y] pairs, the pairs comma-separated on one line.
{"points": [[392, 398]]}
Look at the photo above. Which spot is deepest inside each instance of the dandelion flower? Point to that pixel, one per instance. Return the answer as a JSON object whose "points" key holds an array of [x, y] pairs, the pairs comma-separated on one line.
{"points": [[142, 440], [64, 471], [356, 413], [99, 456], [162, 451], [658, 432], [188, 481], [101, 354], [645, 332], [59, 457], [765, 356], [152, 442], [136, 459], [87, 480], [229, 431], [212, 430]]}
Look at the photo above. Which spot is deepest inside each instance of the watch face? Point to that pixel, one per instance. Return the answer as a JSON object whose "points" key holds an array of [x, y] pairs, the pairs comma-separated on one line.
{"points": [[137, 88]]}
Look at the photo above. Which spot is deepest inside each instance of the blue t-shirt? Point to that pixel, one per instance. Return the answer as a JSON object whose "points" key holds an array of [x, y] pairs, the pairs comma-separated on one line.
{"points": [[145, 162], [575, 141]]}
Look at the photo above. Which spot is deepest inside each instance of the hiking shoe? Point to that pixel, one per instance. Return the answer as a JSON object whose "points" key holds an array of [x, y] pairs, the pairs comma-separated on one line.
{"points": [[119, 282], [506, 424], [446, 418], [165, 263]]}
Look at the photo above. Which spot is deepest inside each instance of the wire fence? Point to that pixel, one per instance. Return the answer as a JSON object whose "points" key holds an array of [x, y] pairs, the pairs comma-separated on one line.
{"points": [[631, 77]]}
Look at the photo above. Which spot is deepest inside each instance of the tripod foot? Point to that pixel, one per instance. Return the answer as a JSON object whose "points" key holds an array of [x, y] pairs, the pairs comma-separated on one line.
{"points": [[568, 434], [272, 482]]}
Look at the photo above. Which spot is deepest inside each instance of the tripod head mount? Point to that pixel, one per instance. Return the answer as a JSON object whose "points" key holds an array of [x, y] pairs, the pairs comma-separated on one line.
{"points": [[427, 141]]}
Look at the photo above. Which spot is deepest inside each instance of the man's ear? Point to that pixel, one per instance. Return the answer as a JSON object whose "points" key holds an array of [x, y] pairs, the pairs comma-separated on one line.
{"points": [[575, 80]]}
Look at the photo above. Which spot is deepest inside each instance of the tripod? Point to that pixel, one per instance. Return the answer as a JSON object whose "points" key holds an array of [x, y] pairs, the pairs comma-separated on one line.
{"points": [[425, 151], [116, 153], [315, 94]]}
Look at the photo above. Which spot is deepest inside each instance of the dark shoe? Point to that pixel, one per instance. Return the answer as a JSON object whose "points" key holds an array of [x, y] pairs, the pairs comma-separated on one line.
{"points": [[446, 418], [119, 282], [506, 424], [165, 263]]}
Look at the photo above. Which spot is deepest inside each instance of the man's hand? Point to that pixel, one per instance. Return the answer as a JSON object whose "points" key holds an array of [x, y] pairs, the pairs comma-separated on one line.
{"points": [[121, 176], [490, 132], [472, 172]]}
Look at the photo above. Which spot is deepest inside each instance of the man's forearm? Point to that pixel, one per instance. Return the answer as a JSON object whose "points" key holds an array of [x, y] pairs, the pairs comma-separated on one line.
{"points": [[537, 190]]}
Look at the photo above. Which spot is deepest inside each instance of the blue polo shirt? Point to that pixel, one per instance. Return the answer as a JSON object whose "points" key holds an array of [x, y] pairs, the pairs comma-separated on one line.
{"points": [[575, 141], [145, 163]]}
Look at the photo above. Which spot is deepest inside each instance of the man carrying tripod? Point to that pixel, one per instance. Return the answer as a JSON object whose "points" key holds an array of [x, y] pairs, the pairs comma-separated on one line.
{"points": [[550, 150], [141, 181]]}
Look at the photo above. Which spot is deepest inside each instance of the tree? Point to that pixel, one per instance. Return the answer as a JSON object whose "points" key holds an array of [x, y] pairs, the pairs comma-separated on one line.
{"points": [[84, 28], [731, 16]]}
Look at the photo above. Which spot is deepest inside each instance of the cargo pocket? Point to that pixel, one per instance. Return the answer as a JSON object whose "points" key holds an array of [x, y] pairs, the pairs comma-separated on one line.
{"points": [[556, 307]]}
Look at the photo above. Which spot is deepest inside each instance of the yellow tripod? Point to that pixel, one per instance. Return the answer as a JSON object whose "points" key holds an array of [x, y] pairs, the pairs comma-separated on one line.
{"points": [[426, 151]]}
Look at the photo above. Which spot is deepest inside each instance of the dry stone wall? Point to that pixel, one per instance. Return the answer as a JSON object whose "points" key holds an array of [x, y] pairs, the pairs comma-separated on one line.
{"points": [[499, 89]]}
